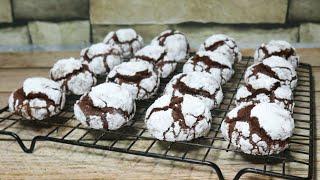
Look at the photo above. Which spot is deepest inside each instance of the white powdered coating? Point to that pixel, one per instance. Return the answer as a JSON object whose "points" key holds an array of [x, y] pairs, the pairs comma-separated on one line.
{"points": [[176, 45], [156, 55], [128, 40], [283, 69], [64, 66], [102, 57], [221, 75], [282, 95], [146, 87], [78, 83], [151, 51], [276, 121], [230, 48], [274, 47], [162, 125], [200, 81], [43, 85], [37, 107], [107, 95]]}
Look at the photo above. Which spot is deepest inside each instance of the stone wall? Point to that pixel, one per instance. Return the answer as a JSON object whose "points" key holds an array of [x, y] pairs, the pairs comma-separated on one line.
{"points": [[80, 22]]}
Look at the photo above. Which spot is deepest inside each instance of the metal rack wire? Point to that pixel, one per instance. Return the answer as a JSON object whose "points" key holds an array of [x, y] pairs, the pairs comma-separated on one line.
{"points": [[135, 139]]}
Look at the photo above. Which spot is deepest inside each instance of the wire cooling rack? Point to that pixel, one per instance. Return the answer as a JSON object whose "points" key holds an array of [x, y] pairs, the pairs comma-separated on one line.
{"points": [[297, 162]]}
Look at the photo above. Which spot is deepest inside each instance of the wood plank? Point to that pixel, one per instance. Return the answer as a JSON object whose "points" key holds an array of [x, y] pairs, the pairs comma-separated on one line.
{"points": [[316, 76], [34, 59], [13, 78], [46, 59], [4, 99]]}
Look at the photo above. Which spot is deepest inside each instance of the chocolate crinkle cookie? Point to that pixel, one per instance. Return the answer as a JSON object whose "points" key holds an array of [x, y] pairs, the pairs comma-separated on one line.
{"points": [[128, 40], [101, 58], [156, 55], [198, 84], [214, 63], [73, 76], [277, 48], [270, 73], [106, 106], [281, 95], [139, 78], [172, 118], [175, 43], [258, 129], [38, 98], [224, 44]]}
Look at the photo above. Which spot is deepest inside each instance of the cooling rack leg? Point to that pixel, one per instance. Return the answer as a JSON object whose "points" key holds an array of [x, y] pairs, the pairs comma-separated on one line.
{"points": [[18, 139]]}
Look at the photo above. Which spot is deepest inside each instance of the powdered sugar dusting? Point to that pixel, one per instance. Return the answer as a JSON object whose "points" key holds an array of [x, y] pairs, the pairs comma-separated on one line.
{"points": [[279, 124], [162, 125], [43, 85]]}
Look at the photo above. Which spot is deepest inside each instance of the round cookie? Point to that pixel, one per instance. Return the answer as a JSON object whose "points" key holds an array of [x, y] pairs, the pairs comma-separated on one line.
{"points": [[156, 55], [215, 63], [258, 129], [271, 72], [38, 98], [178, 118], [139, 78], [198, 84], [128, 40], [277, 48], [73, 76], [106, 106], [101, 58], [224, 44], [281, 95], [175, 43]]}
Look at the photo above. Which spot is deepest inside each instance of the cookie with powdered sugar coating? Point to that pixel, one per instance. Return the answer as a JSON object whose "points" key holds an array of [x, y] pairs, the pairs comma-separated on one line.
{"points": [[172, 118], [214, 63], [73, 76], [277, 48], [101, 58], [127, 39], [157, 55], [38, 98], [106, 106], [198, 84], [175, 43], [271, 72], [139, 78], [281, 95], [258, 129], [224, 44]]}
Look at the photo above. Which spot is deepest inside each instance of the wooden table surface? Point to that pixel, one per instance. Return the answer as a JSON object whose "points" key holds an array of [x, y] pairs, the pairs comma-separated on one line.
{"points": [[59, 161]]}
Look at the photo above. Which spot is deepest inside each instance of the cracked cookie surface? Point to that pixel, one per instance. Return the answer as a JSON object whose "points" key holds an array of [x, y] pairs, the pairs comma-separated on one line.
{"points": [[223, 44], [258, 129], [270, 73], [127, 39], [139, 78], [106, 106], [175, 44], [178, 118], [157, 56], [198, 84], [38, 98], [101, 58], [73, 76], [214, 63], [277, 48]]}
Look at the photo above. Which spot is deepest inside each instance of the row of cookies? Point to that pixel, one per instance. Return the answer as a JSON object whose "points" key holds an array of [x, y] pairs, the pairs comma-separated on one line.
{"points": [[183, 112], [262, 123]]}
